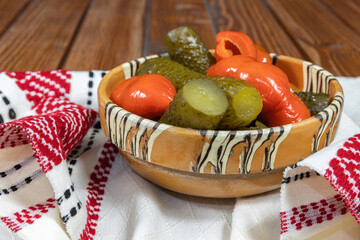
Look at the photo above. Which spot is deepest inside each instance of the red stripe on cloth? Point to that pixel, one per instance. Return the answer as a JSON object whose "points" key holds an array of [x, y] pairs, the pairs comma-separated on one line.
{"points": [[96, 189], [27, 216], [37, 85], [344, 174], [314, 213], [11, 137], [52, 134]]}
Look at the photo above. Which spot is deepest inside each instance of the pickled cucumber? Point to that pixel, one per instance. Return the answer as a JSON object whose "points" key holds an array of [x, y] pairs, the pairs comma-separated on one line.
{"points": [[200, 104], [245, 102], [185, 46], [315, 102], [177, 73]]}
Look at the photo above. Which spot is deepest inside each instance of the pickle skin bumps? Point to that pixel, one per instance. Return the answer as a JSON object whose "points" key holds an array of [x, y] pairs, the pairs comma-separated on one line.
{"points": [[185, 46]]}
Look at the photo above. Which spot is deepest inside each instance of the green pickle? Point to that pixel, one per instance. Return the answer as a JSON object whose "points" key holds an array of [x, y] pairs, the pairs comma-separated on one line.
{"points": [[315, 102], [245, 102], [185, 46], [200, 104]]}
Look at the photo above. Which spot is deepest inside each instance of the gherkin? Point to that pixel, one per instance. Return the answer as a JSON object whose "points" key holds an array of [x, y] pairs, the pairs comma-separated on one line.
{"points": [[244, 101], [200, 104], [185, 46], [315, 102]]}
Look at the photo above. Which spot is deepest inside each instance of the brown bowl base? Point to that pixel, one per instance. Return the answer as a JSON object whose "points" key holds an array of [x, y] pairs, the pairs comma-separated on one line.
{"points": [[206, 185]]}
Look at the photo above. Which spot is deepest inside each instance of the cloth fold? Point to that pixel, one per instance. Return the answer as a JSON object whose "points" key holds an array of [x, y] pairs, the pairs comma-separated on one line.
{"points": [[317, 194], [61, 179]]}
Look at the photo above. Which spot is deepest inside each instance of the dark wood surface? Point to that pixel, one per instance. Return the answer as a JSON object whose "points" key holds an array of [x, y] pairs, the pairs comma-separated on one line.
{"points": [[101, 34]]}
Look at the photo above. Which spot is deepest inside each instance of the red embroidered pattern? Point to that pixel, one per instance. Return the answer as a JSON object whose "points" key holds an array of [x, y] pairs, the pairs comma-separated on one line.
{"points": [[313, 213], [344, 174], [53, 134], [96, 189], [27, 216], [11, 137], [36, 85]]}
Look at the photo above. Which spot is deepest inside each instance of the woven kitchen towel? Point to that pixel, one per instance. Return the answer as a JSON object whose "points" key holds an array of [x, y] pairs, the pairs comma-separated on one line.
{"points": [[60, 178], [320, 196]]}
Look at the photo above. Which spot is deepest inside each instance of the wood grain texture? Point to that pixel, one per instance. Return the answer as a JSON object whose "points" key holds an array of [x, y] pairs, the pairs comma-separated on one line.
{"points": [[39, 37], [9, 10], [101, 34], [167, 15], [112, 33], [326, 39], [348, 11], [255, 19]]}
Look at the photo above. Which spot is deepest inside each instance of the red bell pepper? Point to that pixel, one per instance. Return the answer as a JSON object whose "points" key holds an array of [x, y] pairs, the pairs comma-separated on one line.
{"points": [[280, 105], [147, 95], [231, 43]]}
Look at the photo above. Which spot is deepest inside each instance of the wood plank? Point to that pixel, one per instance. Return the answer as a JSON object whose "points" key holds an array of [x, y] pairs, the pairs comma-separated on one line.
{"points": [[9, 10], [322, 35], [348, 11], [255, 19], [39, 37], [112, 33], [167, 15]]}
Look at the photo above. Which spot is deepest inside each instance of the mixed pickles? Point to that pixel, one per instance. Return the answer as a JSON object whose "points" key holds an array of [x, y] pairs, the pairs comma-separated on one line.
{"points": [[209, 102], [244, 101]]}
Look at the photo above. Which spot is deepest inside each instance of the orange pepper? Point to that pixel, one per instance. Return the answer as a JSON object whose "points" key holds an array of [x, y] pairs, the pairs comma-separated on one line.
{"points": [[231, 43], [280, 105], [147, 95]]}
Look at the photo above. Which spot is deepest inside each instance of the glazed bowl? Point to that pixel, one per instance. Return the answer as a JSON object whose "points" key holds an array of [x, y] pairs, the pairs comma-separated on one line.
{"points": [[221, 164]]}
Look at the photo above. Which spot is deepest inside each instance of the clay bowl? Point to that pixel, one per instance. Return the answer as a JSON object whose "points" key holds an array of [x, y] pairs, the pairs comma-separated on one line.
{"points": [[220, 164]]}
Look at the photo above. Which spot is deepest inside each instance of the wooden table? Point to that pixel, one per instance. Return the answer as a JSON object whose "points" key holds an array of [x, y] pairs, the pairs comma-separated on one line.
{"points": [[101, 34]]}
